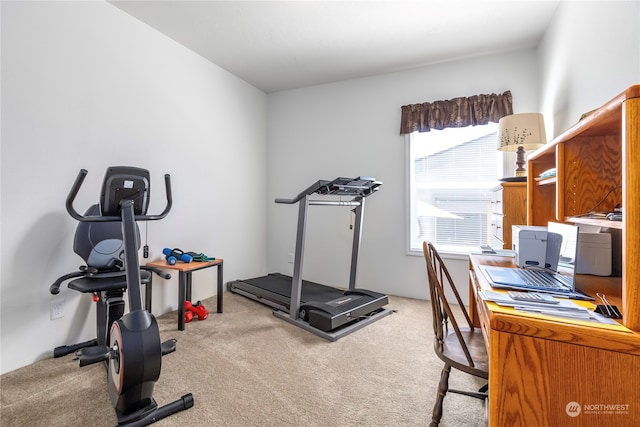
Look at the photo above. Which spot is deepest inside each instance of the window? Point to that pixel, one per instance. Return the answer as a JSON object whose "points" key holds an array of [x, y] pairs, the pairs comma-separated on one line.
{"points": [[451, 174]]}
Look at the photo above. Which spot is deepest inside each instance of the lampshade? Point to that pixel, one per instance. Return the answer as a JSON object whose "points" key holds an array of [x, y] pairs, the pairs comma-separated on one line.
{"points": [[520, 132], [525, 130]]}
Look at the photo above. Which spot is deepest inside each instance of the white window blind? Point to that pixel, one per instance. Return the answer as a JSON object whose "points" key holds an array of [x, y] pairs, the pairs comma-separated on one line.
{"points": [[451, 174]]}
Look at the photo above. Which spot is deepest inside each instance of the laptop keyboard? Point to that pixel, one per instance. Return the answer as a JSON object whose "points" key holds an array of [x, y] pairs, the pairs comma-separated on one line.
{"points": [[542, 279]]}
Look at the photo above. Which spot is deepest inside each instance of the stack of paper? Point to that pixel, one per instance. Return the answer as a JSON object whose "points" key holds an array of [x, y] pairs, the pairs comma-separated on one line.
{"points": [[564, 308]]}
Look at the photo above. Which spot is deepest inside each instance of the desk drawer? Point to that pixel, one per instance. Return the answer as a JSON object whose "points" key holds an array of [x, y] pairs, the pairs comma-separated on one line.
{"points": [[497, 221], [497, 217], [483, 314], [508, 207], [484, 320]]}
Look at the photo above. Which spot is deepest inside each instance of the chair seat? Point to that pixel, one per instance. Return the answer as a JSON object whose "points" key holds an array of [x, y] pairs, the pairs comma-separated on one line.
{"points": [[106, 282], [452, 353]]}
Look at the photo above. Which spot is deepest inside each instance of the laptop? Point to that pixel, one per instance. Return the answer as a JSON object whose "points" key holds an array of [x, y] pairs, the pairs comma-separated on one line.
{"points": [[560, 281]]}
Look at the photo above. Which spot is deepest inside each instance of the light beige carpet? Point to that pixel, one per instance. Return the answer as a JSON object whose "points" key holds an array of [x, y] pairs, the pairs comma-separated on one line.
{"points": [[246, 367]]}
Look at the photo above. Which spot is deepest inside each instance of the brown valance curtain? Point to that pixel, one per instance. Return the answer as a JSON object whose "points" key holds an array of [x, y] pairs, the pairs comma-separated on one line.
{"points": [[456, 112]]}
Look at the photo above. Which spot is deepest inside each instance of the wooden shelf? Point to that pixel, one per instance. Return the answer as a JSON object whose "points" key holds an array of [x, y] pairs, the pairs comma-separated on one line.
{"points": [[600, 222], [546, 181], [598, 164]]}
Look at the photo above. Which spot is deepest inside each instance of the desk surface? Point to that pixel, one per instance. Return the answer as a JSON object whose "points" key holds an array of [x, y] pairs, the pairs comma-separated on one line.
{"points": [[539, 367], [580, 333], [184, 266], [609, 286]]}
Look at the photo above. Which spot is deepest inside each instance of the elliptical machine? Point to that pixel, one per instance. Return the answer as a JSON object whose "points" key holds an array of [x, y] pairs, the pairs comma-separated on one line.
{"points": [[133, 350]]}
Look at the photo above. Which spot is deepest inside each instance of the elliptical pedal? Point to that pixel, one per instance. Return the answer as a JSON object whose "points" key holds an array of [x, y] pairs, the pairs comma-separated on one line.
{"points": [[90, 355], [169, 346]]}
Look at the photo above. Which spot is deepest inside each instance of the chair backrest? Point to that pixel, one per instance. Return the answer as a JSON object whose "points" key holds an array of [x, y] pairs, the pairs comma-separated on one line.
{"points": [[440, 282]]}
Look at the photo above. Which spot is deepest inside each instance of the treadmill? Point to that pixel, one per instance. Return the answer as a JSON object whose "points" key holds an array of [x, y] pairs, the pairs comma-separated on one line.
{"points": [[325, 311]]}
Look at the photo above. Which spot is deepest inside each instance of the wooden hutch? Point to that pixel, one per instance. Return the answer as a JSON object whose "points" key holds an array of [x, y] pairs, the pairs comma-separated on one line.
{"points": [[598, 168]]}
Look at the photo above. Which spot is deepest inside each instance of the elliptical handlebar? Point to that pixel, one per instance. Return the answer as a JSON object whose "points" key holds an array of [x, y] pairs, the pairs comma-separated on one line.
{"points": [[76, 188], [54, 289]]}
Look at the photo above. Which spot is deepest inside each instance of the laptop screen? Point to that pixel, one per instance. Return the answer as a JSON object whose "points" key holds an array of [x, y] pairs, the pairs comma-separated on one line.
{"points": [[568, 251]]}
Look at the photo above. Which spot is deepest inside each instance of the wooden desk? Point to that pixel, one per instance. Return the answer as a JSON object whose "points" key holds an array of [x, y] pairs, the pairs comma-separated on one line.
{"points": [[184, 282], [546, 371]]}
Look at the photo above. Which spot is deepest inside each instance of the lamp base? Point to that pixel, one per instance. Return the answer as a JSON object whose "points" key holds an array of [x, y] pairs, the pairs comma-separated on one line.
{"points": [[520, 162]]}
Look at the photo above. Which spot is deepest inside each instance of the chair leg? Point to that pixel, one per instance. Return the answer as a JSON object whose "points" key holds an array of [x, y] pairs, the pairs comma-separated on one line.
{"points": [[443, 386]]}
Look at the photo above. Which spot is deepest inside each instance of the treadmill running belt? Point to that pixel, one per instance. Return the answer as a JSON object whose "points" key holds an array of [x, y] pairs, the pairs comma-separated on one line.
{"points": [[323, 307], [278, 287]]}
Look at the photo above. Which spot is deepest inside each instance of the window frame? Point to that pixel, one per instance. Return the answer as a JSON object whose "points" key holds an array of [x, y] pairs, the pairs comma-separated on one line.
{"points": [[503, 161]]}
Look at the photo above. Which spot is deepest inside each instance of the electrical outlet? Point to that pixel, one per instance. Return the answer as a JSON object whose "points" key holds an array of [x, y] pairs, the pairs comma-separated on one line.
{"points": [[57, 309], [290, 258]]}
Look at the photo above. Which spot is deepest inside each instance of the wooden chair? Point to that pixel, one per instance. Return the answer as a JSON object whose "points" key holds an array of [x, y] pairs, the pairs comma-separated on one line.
{"points": [[459, 346]]}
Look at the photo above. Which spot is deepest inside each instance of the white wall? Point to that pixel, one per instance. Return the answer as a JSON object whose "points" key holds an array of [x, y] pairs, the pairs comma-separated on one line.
{"points": [[352, 128], [590, 54], [85, 85]]}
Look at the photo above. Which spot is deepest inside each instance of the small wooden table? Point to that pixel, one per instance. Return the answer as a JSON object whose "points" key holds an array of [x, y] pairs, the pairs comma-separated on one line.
{"points": [[184, 282]]}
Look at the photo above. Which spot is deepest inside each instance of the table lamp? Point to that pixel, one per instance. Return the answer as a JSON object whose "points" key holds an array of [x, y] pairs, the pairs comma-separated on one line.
{"points": [[520, 132]]}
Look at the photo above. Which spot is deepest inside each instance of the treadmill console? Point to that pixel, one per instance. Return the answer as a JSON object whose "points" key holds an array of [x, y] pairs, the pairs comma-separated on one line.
{"points": [[361, 186]]}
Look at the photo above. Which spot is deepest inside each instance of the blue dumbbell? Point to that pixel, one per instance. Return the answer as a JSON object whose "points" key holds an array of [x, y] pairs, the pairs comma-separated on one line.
{"points": [[174, 255]]}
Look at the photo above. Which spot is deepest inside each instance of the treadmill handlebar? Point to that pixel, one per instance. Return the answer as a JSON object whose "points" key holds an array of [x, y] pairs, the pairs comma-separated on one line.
{"points": [[357, 187], [78, 183]]}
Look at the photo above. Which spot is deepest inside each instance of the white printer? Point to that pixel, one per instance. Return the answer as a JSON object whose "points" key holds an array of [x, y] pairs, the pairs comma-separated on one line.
{"points": [[529, 244], [594, 254], [533, 248]]}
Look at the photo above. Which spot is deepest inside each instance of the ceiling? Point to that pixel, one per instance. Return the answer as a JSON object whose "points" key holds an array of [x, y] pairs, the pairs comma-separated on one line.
{"points": [[280, 45]]}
